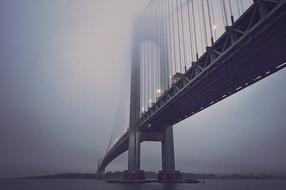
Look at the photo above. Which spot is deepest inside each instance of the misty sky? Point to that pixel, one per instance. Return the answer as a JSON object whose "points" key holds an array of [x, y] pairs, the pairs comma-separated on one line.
{"points": [[63, 65]]}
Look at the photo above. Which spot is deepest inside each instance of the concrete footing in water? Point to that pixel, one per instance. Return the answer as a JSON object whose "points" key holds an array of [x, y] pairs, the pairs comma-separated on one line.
{"points": [[131, 177], [163, 177], [167, 177]]}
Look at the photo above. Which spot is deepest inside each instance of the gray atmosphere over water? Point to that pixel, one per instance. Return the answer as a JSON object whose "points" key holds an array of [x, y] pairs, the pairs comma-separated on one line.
{"points": [[63, 65]]}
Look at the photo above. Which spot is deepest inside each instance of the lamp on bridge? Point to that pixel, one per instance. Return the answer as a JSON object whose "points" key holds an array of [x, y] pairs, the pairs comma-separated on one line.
{"points": [[150, 102], [176, 77]]}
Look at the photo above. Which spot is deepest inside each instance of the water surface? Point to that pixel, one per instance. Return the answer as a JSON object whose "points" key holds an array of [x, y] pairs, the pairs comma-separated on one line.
{"points": [[51, 184]]}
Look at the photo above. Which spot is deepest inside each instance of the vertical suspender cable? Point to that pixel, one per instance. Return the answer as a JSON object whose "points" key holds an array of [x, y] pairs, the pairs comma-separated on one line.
{"points": [[214, 20], [142, 72], [242, 6], [142, 54], [210, 22], [150, 60], [183, 34], [204, 21], [165, 58], [157, 66], [190, 31], [195, 32], [238, 8], [225, 13], [154, 43], [167, 55], [146, 62], [170, 40], [140, 77], [179, 39], [231, 12], [153, 56], [174, 40], [201, 29], [162, 55], [157, 63], [160, 46], [147, 14], [222, 14], [146, 59]]}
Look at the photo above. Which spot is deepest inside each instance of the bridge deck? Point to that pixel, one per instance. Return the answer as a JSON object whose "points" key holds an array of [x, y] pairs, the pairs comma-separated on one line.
{"points": [[254, 55]]}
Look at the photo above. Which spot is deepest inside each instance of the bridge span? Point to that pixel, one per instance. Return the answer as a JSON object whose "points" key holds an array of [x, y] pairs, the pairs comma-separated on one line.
{"points": [[251, 49]]}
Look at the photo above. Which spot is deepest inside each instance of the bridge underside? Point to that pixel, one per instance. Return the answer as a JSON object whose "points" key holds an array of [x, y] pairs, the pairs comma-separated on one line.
{"points": [[255, 55], [121, 146]]}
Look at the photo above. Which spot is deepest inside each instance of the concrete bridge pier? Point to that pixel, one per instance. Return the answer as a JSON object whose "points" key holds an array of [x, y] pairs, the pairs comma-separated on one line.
{"points": [[134, 173], [100, 174], [168, 173]]}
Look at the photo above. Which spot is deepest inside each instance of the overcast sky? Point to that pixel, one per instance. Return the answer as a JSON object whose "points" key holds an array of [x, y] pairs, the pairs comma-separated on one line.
{"points": [[63, 65]]}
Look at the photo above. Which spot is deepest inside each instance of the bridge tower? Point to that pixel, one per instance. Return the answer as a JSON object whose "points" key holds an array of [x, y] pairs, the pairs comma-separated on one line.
{"points": [[134, 172], [168, 171]]}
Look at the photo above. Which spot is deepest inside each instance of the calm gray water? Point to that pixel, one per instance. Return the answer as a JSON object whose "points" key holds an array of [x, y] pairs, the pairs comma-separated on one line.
{"points": [[101, 185]]}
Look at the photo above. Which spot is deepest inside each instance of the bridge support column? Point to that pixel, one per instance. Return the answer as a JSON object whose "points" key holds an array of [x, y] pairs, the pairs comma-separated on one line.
{"points": [[100, 174], [134, 173], [134, 151], [168, 173]]}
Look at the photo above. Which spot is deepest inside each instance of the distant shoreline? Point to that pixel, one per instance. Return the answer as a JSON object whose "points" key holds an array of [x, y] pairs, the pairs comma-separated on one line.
{"points": [[153, 175]]}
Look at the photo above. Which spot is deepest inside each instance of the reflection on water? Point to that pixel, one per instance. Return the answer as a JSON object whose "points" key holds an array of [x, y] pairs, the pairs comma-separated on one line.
{"points": [[101, 185]]}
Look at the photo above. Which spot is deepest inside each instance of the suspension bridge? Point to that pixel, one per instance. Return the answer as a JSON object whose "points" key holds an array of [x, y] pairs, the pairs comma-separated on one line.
{"points": [[188, 55]]}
